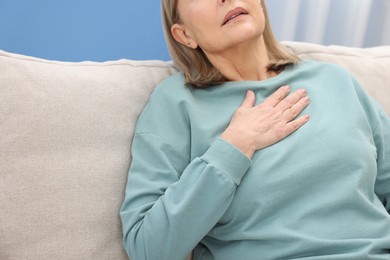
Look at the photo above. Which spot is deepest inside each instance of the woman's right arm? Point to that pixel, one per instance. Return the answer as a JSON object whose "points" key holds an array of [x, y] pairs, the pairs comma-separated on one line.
{"points": [[171, 203]]}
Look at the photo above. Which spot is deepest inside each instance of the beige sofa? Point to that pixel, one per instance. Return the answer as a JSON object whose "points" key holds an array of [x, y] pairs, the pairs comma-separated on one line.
{"points": [[65, 137]]}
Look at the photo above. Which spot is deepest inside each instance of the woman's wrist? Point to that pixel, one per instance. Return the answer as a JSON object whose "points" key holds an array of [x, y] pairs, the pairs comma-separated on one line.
{"points": [[242, 145]]}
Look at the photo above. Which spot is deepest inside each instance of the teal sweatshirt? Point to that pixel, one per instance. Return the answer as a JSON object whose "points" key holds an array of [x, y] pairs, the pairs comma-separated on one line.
{"points": [[321, 193]]}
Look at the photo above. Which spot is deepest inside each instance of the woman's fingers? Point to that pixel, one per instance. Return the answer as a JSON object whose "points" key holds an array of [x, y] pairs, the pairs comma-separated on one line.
{"points": [[296, 124], [286, 106], [292, 99], [297, 107], [255, 127], [281, 99], [277, 96], [249, 100]]}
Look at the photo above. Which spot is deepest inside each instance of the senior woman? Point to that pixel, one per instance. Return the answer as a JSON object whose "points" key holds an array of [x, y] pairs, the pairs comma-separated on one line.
{"points": [[227, 163]]}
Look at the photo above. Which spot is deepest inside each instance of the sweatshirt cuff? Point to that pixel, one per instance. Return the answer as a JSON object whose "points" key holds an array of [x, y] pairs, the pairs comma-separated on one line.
{"points": [[227, 158]]}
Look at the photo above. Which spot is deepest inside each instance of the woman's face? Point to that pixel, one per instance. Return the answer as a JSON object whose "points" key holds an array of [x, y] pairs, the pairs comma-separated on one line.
{"points": [[217, 25]]}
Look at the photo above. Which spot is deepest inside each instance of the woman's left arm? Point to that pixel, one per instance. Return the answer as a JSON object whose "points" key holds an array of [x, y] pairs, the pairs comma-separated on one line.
{"points": [[379, 121], [382, 141]]}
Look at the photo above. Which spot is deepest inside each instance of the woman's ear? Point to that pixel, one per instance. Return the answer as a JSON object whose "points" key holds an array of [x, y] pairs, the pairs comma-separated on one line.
{"points": [[180, 34]]}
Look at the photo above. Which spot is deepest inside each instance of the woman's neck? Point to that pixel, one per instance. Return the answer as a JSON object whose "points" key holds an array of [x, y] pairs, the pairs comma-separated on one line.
{"points": [[247, 61]]}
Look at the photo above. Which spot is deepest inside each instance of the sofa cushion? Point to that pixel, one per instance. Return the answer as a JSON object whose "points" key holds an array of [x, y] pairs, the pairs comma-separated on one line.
{"points": [[66, 131]]}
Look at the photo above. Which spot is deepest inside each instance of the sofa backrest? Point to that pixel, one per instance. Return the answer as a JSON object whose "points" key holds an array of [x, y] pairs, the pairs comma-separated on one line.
{"points": [[66, 131]]}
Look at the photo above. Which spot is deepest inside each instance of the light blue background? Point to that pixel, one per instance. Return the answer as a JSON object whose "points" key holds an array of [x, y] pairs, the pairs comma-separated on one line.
{"points": [[100, 30], [75, 30]]}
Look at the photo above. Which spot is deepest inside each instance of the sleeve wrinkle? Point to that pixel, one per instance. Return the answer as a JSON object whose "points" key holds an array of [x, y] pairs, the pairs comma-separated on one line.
{"points": [[375, 128], [217, 169], [160, 137]]}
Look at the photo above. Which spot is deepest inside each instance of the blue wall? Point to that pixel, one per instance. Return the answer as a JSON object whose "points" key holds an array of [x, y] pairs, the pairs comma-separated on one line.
{"points": [[75, 30], [100, 30]]}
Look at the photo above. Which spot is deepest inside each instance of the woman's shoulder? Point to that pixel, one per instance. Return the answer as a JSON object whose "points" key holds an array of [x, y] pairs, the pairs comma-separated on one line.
{"points": [[323, 66], [332, 74], [169, 94], [166, 107], [342, 80], [172, 87]]}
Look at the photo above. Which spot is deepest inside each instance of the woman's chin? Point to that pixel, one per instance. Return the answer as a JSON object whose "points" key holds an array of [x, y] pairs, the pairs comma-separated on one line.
{"points": [[244, 32]]}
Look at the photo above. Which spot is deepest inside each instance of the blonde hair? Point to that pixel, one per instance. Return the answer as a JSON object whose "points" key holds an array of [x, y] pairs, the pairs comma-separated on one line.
{"points": [[198, 70]]}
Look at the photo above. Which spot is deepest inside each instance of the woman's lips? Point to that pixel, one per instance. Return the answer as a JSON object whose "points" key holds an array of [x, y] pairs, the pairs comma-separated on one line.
{"points": [[233, 14]]}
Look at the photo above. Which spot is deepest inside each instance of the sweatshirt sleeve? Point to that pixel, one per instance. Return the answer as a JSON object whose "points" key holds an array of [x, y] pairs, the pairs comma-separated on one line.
{"points": [[380, 124], [171, 203], [382, 141]]}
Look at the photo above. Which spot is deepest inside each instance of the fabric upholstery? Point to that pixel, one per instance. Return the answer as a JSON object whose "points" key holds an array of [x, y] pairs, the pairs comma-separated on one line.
{"points": [[66, 131]]}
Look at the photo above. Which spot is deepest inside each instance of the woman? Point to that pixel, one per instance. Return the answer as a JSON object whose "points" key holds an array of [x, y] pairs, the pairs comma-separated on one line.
{"points": [[254, 178]]}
